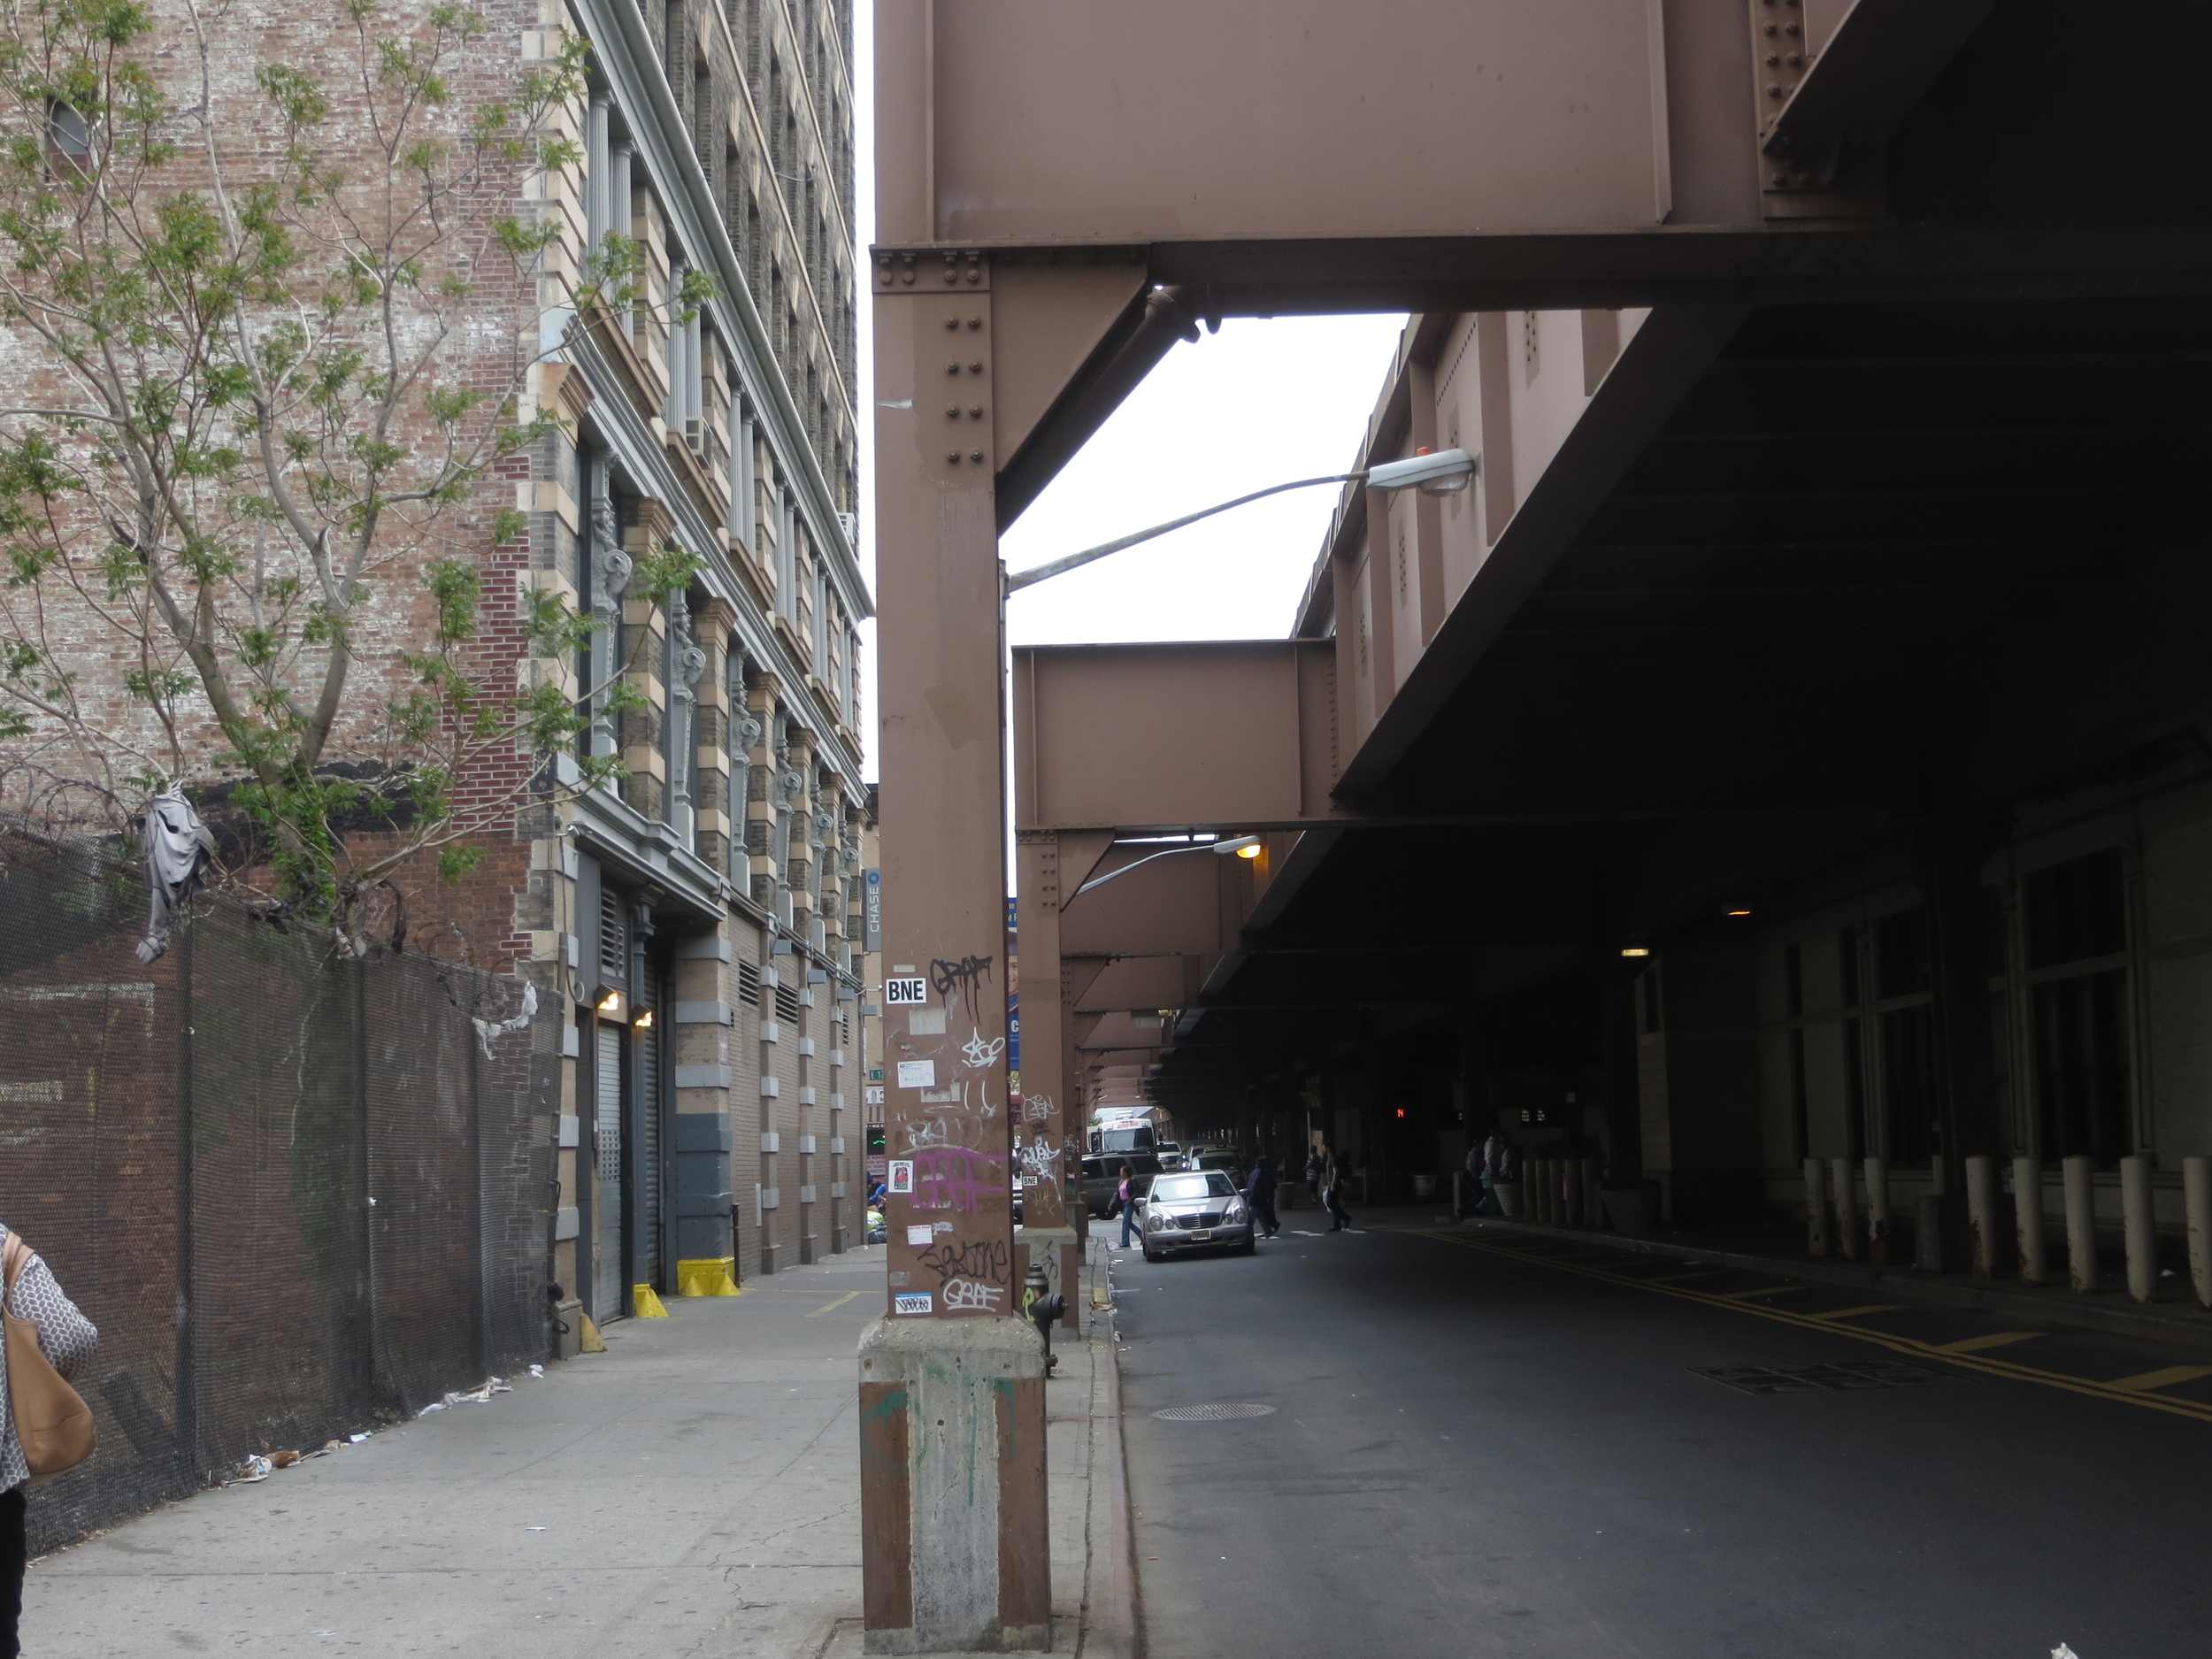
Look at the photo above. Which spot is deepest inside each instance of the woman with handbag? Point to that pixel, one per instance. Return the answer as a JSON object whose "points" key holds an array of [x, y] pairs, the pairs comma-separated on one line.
{"points": [[44, 1427]]}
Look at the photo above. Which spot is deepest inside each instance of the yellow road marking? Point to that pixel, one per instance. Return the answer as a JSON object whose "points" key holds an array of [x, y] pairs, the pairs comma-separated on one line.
{"points": [[1758, 1290], [2165, 1378], [1854, 1313], [1963, 1360], [1996, 1339], [827, 1307], [1663, 1279]]}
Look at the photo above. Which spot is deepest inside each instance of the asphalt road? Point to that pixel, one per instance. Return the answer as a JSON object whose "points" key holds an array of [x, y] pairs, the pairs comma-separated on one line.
{"points": [[1475, 1453]]}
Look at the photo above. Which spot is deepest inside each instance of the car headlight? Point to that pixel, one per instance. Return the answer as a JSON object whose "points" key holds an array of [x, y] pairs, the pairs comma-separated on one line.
{"points": [[1153, 1220], [1235, 1212]]}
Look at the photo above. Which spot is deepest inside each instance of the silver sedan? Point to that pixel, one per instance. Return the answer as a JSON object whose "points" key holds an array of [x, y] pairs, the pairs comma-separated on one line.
{"points": [[1195, 1211]]}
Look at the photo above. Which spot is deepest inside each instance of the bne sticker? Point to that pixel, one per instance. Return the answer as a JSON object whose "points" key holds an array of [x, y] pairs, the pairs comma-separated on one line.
{"points": [[906, 993], [901, 1175], [911, 1301]]}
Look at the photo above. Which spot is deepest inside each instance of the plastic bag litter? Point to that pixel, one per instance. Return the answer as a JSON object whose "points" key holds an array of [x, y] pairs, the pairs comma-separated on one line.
{"points": [[254, 1468], [537, 1371], [2063, 1652]]}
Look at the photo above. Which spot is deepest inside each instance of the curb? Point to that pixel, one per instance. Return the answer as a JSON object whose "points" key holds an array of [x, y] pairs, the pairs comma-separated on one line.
{"points": [[1109, 1624], [2182, 1329]]}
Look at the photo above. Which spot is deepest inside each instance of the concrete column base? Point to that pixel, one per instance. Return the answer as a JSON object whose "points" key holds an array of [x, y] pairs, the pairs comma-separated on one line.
{"points": [[955, 1554], [1057, 1252]]}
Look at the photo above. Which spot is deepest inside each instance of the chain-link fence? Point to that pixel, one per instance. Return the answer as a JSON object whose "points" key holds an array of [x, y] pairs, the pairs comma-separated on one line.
{"points": [[297, 1192]]}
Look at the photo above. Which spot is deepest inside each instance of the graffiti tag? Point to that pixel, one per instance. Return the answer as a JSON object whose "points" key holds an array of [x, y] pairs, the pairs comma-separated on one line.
{"points": [[966, 976], [978, 1258], [964, 1296], [953, 1177], [976, 1053]]}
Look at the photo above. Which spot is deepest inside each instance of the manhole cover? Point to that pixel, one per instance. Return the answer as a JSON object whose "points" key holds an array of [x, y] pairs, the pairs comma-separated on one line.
{"points": [[1846, 1377], [1211, 1414]]}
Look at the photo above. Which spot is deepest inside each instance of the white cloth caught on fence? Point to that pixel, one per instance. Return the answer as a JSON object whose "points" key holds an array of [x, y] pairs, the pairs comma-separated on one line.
{"points": [[64, 1336]]}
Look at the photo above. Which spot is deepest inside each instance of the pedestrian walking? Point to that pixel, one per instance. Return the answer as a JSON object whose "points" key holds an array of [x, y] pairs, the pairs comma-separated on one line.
{"points": [[1127, 1201], [1471, 1182], [64, 1337], [1336, 1169], [1259, 1196], [1314, 1172]]}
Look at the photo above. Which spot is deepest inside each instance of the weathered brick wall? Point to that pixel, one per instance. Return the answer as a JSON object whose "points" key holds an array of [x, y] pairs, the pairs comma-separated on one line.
{"points": [[492, 335]]}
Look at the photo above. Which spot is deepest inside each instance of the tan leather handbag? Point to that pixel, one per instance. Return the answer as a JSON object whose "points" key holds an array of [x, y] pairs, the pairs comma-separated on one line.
{"points": [[51, 1420]]}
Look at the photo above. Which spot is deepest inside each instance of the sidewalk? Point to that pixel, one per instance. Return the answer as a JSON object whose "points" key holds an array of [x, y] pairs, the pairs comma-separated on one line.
{"points": [[695, 1490]]}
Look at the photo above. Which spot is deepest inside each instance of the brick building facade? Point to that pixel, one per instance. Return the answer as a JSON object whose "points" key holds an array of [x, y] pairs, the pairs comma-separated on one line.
{"points": [[694, 925]]}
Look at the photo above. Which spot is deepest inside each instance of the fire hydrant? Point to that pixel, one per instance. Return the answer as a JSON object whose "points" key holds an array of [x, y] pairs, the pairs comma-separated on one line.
{"points": [[1047, 1311]]}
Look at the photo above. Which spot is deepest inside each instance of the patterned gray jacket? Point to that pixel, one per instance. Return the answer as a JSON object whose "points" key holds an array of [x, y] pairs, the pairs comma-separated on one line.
{"points": [[64, 1336]]}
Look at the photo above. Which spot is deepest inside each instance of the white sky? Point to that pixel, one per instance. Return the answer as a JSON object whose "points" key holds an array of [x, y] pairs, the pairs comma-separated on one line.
{"points": [[1259, 403]]}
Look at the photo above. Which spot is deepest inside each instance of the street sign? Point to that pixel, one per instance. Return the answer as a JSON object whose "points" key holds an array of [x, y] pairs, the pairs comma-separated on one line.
{"points": [[906, 993], [872, 910]]}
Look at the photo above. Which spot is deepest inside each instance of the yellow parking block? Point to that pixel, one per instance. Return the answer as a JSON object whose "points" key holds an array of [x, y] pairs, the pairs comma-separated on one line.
{"points": [[2165, 1378], [1976, 1344]]}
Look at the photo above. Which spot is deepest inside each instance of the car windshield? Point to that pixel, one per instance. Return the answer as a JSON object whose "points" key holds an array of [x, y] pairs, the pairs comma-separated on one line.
{"points": [[1211, 1185]]}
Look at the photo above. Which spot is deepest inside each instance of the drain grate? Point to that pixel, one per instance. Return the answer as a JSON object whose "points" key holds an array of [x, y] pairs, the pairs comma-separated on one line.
{"points": [[1846, 1377], [1211, 1414]]}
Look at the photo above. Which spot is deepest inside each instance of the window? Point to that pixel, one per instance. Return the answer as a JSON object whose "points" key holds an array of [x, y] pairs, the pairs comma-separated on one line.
{"points": [[2082, 1082], [614, 953], [2075, 916], [1793, 1000], [69, 136], [1905, 1023], [2075, 911]]}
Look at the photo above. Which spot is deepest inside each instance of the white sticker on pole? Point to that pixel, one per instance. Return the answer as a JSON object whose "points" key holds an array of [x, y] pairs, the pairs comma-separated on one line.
{"points": [[918, 1074], [901, 1175], [906, 993], [910, 1301], [920, 1236]]}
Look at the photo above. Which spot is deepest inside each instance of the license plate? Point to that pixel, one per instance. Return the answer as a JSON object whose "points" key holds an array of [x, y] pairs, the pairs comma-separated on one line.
{"points": [[1200, 1234]]}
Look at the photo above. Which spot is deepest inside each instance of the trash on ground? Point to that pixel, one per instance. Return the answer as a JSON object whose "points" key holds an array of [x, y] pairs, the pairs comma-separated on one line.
{"points": [[283, 1460], [537, 1371], [254, 1468], [357, 1439]]}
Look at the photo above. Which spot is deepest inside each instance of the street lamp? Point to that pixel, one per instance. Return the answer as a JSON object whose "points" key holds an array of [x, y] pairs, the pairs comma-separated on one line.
{"points": [[1446, 473], [1243, 846]]}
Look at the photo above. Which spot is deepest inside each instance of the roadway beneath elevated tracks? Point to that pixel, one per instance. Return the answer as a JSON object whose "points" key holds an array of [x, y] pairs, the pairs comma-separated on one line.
{"points": [[1475, 1451]]}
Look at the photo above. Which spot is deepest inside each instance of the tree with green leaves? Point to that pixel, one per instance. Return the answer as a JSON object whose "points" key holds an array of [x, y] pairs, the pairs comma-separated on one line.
{"points": [[265, 334]]}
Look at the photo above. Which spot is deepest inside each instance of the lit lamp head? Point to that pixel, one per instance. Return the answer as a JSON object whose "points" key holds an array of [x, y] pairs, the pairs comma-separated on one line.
{"points": [[1243, 847], [1446, 473]]}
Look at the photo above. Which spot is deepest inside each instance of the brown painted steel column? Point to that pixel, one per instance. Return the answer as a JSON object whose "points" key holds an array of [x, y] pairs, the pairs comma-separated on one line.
{"points": [[954, 1551], [1051, 1158]]}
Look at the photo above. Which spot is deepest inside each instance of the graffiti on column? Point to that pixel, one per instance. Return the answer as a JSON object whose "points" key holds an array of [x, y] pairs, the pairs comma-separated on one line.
{"points": [[957, 1178], [965, 977], [984, 1259]]}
